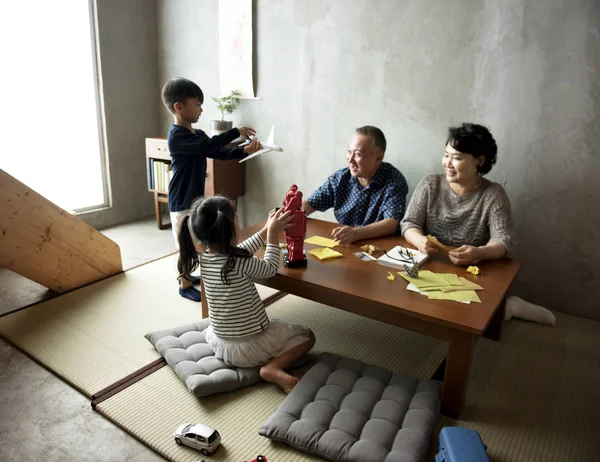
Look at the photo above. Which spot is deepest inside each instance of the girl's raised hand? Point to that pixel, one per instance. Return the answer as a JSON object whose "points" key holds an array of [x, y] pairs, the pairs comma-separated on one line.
{"points": [[280, 221]]}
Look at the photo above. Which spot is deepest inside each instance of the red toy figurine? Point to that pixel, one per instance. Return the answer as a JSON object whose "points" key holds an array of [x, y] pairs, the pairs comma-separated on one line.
{"points": [[294, 236]]}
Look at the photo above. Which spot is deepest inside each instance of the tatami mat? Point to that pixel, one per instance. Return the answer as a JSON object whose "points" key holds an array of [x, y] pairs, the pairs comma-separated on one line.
{"points": [[94, 336], [152, 408], [533, 396]]}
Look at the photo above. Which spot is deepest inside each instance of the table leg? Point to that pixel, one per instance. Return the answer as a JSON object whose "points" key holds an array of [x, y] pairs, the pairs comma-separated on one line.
{"points": [[457, 372], [494, 328]]}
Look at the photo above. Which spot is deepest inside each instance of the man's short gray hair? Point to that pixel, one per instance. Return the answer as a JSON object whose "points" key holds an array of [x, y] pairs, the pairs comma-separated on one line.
{"points": [[376, 135]]}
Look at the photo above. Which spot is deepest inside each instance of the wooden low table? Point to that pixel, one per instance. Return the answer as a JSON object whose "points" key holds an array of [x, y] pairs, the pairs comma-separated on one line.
{"points": [[361, 287]]}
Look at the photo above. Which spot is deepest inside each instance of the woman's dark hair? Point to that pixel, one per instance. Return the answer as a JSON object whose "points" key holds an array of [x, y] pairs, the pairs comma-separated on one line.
{"points": [[212, 221], [475, 140], [179, 90]]}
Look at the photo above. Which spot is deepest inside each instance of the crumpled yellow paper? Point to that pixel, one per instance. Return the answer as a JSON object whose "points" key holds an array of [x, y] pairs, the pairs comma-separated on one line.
{"points": [[370, 249], [391, 277], [474, 270], [325, 253]]}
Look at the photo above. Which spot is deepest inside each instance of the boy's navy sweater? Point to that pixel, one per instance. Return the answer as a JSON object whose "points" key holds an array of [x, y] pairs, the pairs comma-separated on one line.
{"points": [[188, 161]]}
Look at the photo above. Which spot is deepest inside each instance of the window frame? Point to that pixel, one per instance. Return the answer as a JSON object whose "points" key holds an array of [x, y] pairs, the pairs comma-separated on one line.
{"points": [[100, 116]]}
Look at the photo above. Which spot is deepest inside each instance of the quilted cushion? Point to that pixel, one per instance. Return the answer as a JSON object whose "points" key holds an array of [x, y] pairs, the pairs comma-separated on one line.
{"points": [[346, 410], [186, 351]]}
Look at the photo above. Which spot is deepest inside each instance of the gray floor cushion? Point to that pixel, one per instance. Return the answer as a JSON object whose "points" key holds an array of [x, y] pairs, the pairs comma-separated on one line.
{"points": [[186, 351], [346, 410]]}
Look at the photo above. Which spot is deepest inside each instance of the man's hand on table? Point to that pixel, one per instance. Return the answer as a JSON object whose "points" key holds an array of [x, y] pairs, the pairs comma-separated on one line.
{"points": [[345, 234]]}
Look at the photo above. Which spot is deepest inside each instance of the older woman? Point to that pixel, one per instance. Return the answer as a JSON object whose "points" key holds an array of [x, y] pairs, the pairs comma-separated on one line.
{"points": [[464, 210], [460, 207]]}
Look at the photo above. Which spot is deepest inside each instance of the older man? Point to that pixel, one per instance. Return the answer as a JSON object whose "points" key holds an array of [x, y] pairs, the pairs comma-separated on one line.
{"points": [[368, 196]]}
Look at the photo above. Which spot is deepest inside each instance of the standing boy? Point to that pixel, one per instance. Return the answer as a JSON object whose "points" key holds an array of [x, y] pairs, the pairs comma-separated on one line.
{"points": [[189, 148]]}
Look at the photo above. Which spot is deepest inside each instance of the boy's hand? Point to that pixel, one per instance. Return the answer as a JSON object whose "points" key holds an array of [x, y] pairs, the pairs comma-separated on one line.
{"points": [[246, 132], [253, 146]]}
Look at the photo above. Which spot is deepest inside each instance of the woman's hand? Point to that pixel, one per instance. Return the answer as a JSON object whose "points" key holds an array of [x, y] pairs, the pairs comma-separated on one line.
{"points": [[466, 255], [253, 146], [246, 132], [424, 245], [345, 234]]}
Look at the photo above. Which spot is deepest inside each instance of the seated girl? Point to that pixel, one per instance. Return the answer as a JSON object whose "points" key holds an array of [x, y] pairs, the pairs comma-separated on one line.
{"points": [[240, 332]]}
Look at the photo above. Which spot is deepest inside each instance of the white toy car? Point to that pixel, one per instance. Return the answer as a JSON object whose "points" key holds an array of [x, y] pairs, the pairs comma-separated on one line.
{"points": [[202, 437]]}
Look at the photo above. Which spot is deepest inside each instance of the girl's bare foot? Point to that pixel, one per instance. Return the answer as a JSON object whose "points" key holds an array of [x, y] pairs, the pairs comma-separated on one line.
{"points": [[286, 381]]}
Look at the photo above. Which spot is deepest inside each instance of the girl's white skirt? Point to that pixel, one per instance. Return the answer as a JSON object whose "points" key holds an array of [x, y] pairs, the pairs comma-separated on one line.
{"points": [[258, 349]]}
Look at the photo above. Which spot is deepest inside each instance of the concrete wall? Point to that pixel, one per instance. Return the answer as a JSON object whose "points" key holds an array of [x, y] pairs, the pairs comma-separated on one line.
{"points": [[528, 69], [129, 62]]}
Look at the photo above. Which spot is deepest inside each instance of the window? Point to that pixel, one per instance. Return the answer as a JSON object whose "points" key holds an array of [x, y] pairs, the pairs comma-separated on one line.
{"points": [[49, 117]]}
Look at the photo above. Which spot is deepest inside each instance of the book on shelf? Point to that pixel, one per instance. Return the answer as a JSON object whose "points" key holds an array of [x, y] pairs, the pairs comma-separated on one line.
{"points": [[397, 257], [150, 176], [160, 174], [165, 175]]}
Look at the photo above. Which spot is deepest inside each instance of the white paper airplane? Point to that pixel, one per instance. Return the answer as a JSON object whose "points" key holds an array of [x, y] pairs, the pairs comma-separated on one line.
{"points": [[268, 146]]}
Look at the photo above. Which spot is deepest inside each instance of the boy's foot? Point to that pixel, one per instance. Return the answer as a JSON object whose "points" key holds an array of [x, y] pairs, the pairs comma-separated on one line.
{"points": [[286, 381], [191, 293]]}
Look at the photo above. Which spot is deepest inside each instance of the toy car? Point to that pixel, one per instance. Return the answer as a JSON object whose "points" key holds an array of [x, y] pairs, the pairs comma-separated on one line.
{"points": [[202, 437]]}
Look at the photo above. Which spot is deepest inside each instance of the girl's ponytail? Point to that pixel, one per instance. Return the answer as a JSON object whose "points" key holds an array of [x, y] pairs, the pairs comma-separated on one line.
{"points": [[188, 255], [225, 227]]}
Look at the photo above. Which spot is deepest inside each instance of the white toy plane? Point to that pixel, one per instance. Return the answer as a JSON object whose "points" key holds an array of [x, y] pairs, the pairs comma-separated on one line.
{"points": [[268, 146]]}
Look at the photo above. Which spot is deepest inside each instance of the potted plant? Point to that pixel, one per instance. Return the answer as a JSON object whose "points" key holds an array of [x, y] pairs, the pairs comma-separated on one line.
{"points": [[225, 104]]}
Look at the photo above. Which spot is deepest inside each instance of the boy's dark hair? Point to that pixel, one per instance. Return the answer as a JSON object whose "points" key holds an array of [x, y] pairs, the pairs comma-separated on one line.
{"points": [[179, 90], [475, 140], [213, 222], [376, 135]]}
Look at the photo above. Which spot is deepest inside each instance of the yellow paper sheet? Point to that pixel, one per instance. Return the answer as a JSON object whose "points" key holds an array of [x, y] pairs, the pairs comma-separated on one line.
{"points": [[426, 279], [467, 285], [460, 296], [322, 241], [452, 279], [324, 253]]}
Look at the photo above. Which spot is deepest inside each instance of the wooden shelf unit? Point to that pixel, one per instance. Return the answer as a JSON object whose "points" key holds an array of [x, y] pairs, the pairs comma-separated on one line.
{"points": [[227, 177]]}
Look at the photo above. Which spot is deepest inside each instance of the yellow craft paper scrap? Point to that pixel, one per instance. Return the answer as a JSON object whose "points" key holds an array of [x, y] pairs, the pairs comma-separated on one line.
{"points": [[452, 279], [322, 241], [426, 279], [474, 270], [459, 296], [325, 253], [369, 248], [390, 277], [467, 285]]}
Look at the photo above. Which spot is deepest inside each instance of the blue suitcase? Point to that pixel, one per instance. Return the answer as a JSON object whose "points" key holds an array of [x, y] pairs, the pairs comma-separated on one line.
{"points": [[461, 445]]}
